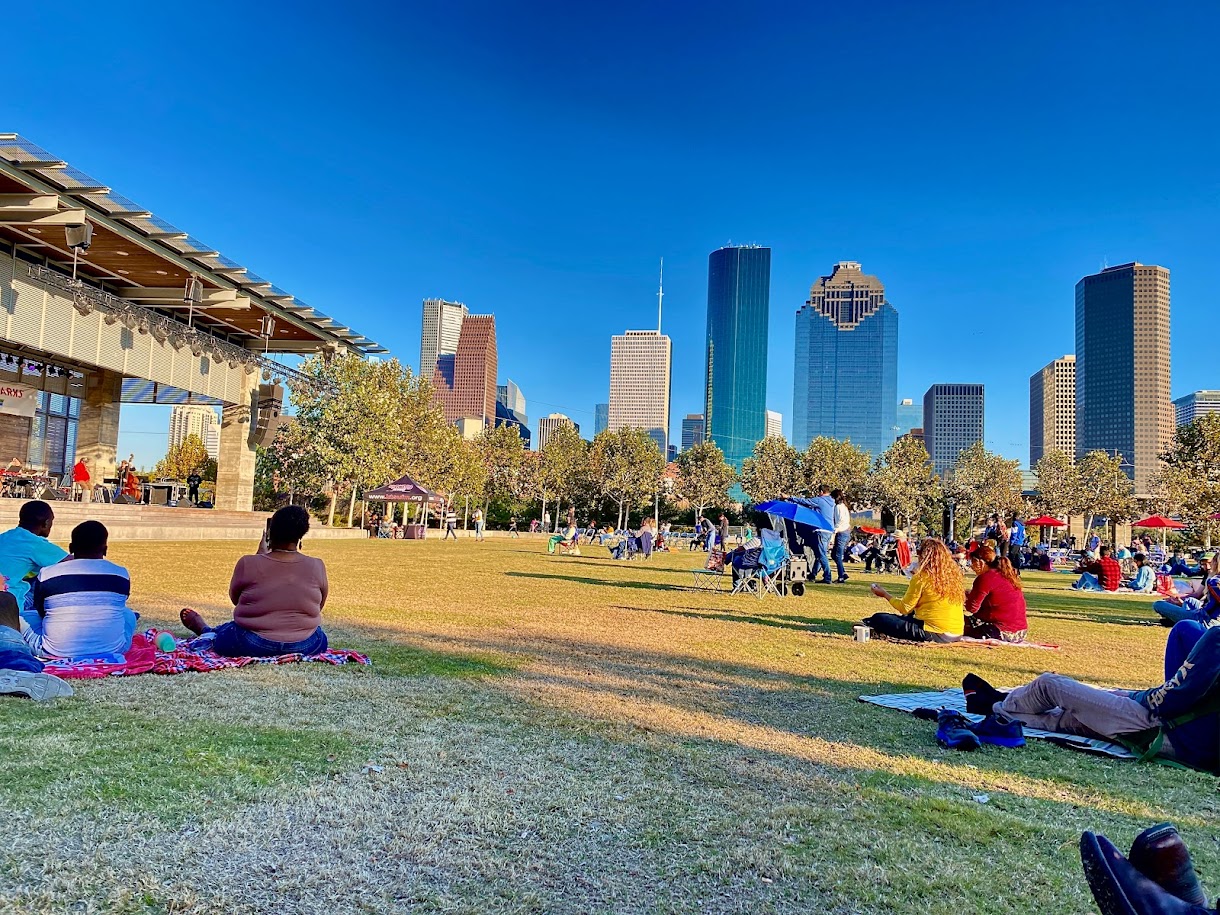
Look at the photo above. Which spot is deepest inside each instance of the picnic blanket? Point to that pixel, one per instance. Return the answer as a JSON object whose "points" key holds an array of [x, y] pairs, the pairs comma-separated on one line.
{"points": [[995, 643], [953, 699], [194, 655]]}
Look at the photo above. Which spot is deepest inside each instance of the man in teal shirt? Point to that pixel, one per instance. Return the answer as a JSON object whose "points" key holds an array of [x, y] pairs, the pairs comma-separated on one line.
{"points": [[25, 550]]}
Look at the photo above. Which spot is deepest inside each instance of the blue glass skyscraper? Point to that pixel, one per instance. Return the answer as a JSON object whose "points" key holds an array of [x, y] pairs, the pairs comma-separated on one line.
{"points": [[846, 372], [738, 307]]}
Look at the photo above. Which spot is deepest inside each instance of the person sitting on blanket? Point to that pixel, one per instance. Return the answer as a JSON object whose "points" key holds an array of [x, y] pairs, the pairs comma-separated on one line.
{"points": [[1103, 574], [995, 604], [25, 551], [1201, 604], [278, 595], [80, 605], [1177, 719], [15, 654], [932, 608], [1144, 581]]}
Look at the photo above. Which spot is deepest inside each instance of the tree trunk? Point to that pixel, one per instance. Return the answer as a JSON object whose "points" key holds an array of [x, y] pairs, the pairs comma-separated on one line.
{"points": [[351, 505], [542, 516], [330, 515]]}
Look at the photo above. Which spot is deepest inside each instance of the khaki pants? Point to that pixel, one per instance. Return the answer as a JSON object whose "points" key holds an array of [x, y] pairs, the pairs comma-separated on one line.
{"points": [[1054, 702], [83, 492]]}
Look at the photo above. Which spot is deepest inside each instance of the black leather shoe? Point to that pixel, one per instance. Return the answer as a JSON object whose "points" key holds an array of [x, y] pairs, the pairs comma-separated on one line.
{"points": [[1159, 852], [1119, 889]]}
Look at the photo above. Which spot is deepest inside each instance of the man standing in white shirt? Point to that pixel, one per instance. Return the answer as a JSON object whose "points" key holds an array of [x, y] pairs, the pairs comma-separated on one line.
{"points": [[842, 533]]}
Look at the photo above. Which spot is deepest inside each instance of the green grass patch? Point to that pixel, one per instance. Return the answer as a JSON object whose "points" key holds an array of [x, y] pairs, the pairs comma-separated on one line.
{"points": [[391, 660]]}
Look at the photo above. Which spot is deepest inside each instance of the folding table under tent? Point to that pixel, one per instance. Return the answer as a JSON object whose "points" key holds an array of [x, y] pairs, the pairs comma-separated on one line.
{"points": [[406, 490]]}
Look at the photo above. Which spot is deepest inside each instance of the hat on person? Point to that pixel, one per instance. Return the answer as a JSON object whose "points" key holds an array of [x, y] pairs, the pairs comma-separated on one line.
{"points": [[900, 534], [973, 547], [1208, 556]]}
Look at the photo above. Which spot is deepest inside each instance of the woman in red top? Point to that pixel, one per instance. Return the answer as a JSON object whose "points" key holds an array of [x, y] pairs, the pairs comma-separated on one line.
{"points": [[995, 605]]}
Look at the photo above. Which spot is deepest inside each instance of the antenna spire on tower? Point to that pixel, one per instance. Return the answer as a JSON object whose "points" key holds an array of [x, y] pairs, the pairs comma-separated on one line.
{"points": [[660, 294]]}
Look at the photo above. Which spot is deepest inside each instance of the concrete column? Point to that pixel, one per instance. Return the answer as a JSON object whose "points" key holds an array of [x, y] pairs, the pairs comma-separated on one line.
{"points": [[97, 430], [235, 467]]}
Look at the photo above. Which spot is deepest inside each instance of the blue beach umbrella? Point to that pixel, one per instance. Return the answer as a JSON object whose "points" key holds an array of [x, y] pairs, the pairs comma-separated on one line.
{"points": [[807, 515]]}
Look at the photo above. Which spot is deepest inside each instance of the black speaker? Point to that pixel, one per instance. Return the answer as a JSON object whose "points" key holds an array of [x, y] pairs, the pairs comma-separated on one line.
{"points": [[125, 500], [49, 494], [270, 403]]}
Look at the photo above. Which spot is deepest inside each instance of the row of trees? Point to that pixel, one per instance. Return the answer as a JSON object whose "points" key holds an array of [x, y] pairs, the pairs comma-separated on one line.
{"points": [[377, 420]]}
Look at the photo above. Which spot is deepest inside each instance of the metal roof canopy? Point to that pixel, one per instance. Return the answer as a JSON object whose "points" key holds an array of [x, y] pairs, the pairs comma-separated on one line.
{"points": [[143, 258]]}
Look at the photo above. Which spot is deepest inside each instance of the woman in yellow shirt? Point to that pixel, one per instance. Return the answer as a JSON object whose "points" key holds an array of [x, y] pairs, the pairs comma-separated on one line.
{"points": [[932, 609]]}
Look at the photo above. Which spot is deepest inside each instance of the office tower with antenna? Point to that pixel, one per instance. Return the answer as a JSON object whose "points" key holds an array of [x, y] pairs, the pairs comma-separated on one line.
{"points": [[640, 362]]}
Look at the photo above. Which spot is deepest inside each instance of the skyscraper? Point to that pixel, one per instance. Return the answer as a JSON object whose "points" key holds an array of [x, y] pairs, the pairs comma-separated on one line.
{"points": [[192, 419], [1189, 408], [952, 422], [692, 430], [639, 383], [1052, 409], [738, 308], [549, 423], [846, 383], [601, 418], [775, 424], [1122, 367], [465, 382], [510, 409], [442, 326], [910, 416]]}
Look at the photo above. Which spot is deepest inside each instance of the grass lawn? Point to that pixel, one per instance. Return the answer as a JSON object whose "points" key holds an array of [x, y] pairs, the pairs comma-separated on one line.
{"points": [[567, 734]]}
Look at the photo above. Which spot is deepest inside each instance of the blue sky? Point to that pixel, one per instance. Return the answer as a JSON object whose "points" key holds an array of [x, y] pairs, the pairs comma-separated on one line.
{"points": [[535, 161]]}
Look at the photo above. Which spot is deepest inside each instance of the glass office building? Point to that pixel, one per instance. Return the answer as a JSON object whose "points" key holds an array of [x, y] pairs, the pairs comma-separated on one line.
{"points": [[738, 307], [846, 371]]}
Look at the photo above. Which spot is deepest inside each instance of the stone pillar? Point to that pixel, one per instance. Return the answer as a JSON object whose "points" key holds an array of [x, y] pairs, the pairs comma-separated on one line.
{"points": [[97, 430], [235, 467]]}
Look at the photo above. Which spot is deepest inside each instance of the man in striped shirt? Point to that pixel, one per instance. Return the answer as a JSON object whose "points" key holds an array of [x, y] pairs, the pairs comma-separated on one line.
{"points": [[82, 602]]}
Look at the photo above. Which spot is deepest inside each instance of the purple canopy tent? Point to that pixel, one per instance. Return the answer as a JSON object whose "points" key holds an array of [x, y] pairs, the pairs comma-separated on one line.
{"points": [[404, 489]]}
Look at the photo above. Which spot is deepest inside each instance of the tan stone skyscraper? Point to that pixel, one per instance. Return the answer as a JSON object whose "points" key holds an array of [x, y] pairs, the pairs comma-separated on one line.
{"points": [[639, 383], [1052, 409], [1122, 367]]}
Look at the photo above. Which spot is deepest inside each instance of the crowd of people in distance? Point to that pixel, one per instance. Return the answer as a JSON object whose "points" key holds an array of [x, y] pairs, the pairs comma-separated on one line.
{"points": [[73, 604]]}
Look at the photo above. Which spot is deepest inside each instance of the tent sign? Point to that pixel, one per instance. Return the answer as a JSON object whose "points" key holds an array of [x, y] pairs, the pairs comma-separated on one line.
{"points": [[18, 400]]}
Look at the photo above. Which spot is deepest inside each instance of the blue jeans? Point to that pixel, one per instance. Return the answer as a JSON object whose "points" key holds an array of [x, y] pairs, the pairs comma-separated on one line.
{"points": [[839, 550], [822, 554], [1088, 582], [1191, 609], [233, 641]]}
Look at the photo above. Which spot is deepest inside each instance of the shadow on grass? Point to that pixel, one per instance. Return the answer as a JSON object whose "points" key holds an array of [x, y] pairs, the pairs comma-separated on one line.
{"points": [[397, 660], [778, 620], [644, 585]]}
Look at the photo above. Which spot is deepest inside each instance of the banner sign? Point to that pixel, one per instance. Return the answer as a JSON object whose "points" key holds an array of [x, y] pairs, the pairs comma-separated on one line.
{"points": [[17, 399]]}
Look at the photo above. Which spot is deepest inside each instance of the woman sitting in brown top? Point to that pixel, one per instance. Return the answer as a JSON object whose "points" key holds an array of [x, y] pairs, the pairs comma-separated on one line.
{"points": [[278, 595]]}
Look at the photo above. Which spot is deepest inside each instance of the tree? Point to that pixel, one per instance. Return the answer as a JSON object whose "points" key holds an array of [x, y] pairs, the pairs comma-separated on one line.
{"points": [[903, 481], [562, 467], [625, 465], [1059, 491], [838, 464], [984, 482], [1105, 488], [288, 465], [703, 476], [1190, 477], [189, 456], [503, 454], [773, 472]]}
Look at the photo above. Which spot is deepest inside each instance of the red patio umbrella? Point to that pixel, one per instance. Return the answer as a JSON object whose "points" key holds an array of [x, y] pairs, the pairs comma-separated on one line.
{"points": [[1045, 521], [878, 531], [1160, 521]]}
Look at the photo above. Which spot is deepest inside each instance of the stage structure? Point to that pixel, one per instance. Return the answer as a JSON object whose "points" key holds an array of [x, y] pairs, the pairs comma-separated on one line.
{"points": [[103, 303]]}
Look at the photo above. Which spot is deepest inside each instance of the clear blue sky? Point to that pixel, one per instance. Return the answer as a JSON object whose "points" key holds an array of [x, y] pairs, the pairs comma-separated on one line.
{"points": [[534, 161]]}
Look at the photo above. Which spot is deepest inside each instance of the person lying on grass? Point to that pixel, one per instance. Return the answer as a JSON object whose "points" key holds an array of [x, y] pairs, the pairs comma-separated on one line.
{"points": [[932, 609], [278, 595], [1178, 719], [995, 604], [80, 605]]}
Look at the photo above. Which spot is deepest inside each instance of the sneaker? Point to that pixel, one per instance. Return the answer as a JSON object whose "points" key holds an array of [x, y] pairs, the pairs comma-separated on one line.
{"points": [[1159, 853], [839, 581], [981, 696], [999, 733], [953, 732], [38, 687]]}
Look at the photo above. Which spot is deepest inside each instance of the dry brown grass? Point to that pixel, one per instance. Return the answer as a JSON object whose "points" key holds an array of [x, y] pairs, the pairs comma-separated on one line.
{"points": [[566, 735]]}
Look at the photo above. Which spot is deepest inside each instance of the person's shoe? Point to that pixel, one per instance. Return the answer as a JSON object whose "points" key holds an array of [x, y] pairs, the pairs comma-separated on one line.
{"points": [[953, 732], [1159, 852], [1120, 889], [926, 714], [39, 687], [841, 580], [981, 696], [999, 733]]}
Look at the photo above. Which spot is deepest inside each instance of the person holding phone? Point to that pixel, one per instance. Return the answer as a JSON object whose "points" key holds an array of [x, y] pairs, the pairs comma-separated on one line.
{"points": [[278, 595]]}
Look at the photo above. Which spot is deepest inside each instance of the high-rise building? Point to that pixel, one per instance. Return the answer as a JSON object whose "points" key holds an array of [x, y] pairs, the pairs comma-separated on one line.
{"points": [[671, 452], [910, 416], [775, 424], [738, 308], [639, 383], [465, 382], [1052, 409], [211, 441], [510, 409], [1189, 408], [442, 326], [952, 422], [692, 430], [601, 418], [549, 423], [193, 419], [1123, 403], [846, 371]]}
